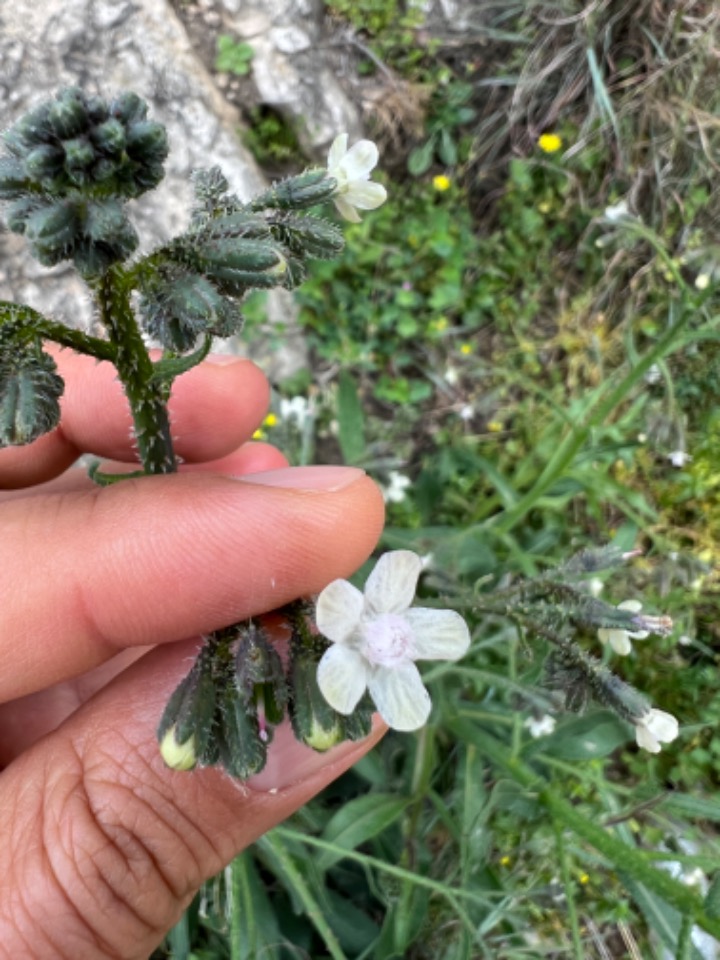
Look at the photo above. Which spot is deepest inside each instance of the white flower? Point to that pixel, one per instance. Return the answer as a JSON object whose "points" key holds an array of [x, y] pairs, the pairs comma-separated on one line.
{"points": [[618, 639], [678, 458], [618, 211], [351, 168], [376, 636], [296, 408], [540, 726], [654, 728], [395, 491], [702, 281]]}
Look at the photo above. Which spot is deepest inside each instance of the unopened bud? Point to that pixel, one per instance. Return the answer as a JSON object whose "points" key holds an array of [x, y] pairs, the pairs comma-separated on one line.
{"points": [[178, 756]]}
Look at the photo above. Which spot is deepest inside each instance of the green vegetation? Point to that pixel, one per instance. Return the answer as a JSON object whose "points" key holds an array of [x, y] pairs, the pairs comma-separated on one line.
{"points": [[529, 335]]}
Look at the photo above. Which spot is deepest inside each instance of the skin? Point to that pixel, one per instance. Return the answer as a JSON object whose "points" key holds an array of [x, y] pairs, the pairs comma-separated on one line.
{"points": [[105, 591]]}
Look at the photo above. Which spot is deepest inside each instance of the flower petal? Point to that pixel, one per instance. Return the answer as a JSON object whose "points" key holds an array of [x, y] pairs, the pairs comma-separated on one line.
{"points": [[337, 151], [342, 676], [662, 725], [438, 634], [390, 588], [338, 610], [618, 640], [360, 160], [365, 194], [645, 740], [346, 210], [633, 605], [400, 697]]}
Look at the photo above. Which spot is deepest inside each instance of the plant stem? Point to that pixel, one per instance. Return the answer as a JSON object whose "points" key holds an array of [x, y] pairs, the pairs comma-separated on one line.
{"points": [[39, 326], [135, 370]]}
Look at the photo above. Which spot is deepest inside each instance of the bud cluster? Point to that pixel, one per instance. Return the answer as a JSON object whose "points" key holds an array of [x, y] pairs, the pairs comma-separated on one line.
{"points": [[73, 162], [225, 710], [198, 279]]}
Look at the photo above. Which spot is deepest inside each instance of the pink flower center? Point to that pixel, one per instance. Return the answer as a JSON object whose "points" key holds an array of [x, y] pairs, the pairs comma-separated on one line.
{"points": [[387, 640]]}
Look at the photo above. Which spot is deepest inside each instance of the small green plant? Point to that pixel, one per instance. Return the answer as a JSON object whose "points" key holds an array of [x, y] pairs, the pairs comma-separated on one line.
{"points": [[233, 56]]}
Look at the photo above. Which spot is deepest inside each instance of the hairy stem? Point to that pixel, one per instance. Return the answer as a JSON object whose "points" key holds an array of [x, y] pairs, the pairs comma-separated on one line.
{"points": [[146, 396]]}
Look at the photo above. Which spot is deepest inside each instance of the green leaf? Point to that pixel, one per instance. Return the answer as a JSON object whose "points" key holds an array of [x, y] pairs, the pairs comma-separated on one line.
{"points": [[447, 150], [585, 738], [351, 421], [357, 822], [421, 157]]}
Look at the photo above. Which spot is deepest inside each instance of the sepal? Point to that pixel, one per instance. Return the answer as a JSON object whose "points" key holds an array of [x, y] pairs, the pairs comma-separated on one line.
{"points": [[186, 729]]}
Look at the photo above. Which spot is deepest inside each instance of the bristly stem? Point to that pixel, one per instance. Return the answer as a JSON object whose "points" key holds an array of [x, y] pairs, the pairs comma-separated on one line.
{"points": [[146, 396]]}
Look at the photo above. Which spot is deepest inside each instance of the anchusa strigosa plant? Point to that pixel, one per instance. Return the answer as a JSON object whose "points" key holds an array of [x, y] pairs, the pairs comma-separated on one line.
{"points": [[71, 166]]}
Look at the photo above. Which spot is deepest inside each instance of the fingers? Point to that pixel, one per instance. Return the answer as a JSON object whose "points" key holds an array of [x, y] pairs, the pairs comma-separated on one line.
{"points": [[148, 561], [109, 846], [232, 397]]}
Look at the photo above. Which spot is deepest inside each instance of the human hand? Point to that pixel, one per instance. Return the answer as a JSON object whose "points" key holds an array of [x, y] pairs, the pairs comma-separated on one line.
{"points": [[101, 846]]}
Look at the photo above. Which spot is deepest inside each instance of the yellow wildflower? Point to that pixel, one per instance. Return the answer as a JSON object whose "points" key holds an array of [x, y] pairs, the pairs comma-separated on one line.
{"points": [[495, 426], [505, 861], [270, 420], [259, 434], [441, 182], [466, 349], [550, 142], [584, 878]]}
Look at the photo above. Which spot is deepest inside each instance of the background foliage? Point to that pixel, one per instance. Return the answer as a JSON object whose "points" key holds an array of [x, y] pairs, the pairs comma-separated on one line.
{"points": [[546, 378]]}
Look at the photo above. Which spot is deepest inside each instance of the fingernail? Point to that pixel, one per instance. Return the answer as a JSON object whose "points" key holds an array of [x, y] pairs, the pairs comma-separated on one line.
{"points": [[290, 762], [317, 479]]}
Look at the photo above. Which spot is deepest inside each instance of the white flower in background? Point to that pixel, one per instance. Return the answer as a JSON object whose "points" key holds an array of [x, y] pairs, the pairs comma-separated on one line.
{"points": [[351, 168], [619, 639], [377, 636], [654, 728], [296, 408], [653, 374], [618, 211], [702, 281], [540, 726], [396, 489], [678, 458]]}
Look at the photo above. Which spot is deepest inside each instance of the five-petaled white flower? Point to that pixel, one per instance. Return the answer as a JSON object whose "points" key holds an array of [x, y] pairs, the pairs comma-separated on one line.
{"points": [[377, 636], [351, 168], [654, 728], [619, 639]]}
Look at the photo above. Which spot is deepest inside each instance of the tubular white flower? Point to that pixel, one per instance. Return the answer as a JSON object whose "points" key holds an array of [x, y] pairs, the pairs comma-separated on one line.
{"points": [[654, 728], [351, 168], [377, 637], [619, 640]]}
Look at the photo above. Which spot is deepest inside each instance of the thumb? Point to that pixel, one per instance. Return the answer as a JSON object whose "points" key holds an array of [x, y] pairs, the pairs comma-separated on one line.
{"points": [[105, 846]]}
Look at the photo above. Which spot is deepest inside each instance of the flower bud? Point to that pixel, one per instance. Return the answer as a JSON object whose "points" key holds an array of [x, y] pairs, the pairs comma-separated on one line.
{"points": [[297, 193], [260, 678], [186, 727], [179, 307], [45, 162], [146, 141], [109, 137], [67, 115], [309, 236], [314, 721], [243, 750], [128, 107], [178, 756]]}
